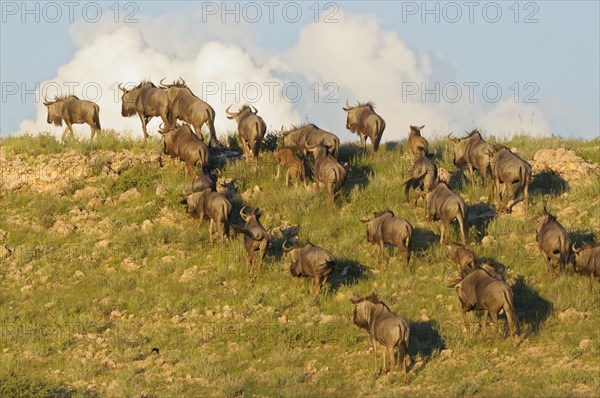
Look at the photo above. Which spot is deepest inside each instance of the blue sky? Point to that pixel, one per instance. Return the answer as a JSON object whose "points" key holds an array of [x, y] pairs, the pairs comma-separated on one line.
{"points": [[554, 58]]}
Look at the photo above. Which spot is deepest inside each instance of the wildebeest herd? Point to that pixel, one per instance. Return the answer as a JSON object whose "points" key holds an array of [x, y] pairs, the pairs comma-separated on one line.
{"points": [[480, 286]]}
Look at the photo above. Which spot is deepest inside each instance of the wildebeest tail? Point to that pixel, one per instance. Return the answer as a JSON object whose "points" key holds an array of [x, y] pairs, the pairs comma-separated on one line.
{"points": [[210, 120], [509, 309], [97, 116], [379, 127]]}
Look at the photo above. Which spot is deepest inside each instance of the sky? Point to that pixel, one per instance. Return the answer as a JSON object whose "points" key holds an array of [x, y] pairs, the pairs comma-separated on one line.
{"points": [[504, 67]]}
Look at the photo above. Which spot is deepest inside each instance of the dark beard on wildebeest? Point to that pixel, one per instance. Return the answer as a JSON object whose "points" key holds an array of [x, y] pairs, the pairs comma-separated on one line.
{"points": [[57, 121]]}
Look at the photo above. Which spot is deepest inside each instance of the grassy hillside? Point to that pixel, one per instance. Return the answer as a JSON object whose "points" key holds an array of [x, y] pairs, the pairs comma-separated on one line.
{"points": [[109, 295]]}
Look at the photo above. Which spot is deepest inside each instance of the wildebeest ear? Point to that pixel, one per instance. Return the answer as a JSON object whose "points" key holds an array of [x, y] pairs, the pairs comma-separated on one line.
{"points": [[421, 127], [355, 298]]}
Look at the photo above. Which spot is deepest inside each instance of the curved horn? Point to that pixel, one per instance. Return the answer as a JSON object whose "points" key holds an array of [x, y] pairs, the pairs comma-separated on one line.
{"points": [[230, 113], [286, 247], [46, 102], [163, 84], [575, 249], [453, 139], [255, 110], [122, 88], [218, 172], [347, 107], [182, 81], [242, 214]]}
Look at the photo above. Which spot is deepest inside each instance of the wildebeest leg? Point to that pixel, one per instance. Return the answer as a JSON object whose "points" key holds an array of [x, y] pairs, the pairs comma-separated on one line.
{"points": [[144, 122], [484, 323], [210, 229], [383, 360], [277, 175], [287, 177], [464, 313], [591, 281], [190, 169], [494, 316], [92, 132], [445, 232], [198, 131], [382, 250], [390, 354], [463, 232], [374, 344], [497, 189], [406, 255], [403, 357], [526, 195]]}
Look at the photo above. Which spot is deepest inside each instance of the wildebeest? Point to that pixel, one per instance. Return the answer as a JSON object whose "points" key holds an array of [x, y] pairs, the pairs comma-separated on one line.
{"points": [[587, 261], [181, 142], [471, 153], [184, 105], [482, 290], [212, 205], [205, 180], [363, 120], [286, 157], [251, 130], [73, 111], [465, 259], [508, 168], [416, 142], [385, 328], [308, 136], [329, 172], [553, 241], [384, 228], [256, 238], [310, 261], [423, 176], [146, 100], [445, 205]]}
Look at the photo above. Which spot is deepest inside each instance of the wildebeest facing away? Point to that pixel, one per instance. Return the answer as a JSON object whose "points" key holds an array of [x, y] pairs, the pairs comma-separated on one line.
{"points": [[73, 111], [482, 290], [184, 105], [146, 100], [553, 241], [587, 261], [384, 228], [465, 259], [310, 136], [329, 172], [363, 120], [445, 205], [508, 168], [212, 205], [181, 142], [471, 153], [205, 180], [424, 175], [286, 157], [256, 238], [251, 130], [311, 261], [416, 142], [385, 328]]}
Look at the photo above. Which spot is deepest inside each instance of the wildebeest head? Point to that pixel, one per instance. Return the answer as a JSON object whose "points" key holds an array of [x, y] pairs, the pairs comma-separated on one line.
{"points": [[374, 222], [169, 136], [416, 130], [253, 214], [243, 112], [294, 252], [362, 309], [55, 109], [130, 97], [354, 113], [582, 256]]}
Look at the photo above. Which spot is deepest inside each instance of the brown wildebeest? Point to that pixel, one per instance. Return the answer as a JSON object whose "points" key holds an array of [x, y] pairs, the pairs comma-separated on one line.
{"points": [[73, 111], [251, 130], [416, 142], [363, 120], [385, 328], [465, 259], [205, 180], [286, 157], [184, 105], [384, 228], [311, 261], [424, 175], [329, 172], [471, 153], [146, 100], [508, 168], [587, 261], [553, 241], [303, 137], [181, 142], [256, 238], [482, 290], [214, 206], [445, 205]]}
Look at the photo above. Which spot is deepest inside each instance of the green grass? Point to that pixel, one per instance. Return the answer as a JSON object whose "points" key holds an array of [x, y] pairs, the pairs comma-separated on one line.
{"points": [[220, 333]]}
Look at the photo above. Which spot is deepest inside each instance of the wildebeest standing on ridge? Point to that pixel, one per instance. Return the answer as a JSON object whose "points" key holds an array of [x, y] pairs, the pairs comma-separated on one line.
{"points": [[328, 172], [307, 138], [587, 261], [184, 105], [256, 238], [310, 261], [416, 142], [181, 142], [471, 153], [73, 111], [363, 120], [553, 241], [508, 168], [146, 100], [423, 176], [483, 290], [445, 205], [384, 228], [385, 328], [213, 205], [285, 157], [251, 130]]}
